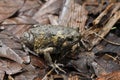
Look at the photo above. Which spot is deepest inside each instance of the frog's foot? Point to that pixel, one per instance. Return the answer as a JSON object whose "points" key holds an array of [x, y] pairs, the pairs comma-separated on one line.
{"points": [[56, 67]]}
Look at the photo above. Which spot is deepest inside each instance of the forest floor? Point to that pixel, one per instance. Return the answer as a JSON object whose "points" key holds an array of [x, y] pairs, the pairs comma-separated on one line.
{"points": [[97, 54]]}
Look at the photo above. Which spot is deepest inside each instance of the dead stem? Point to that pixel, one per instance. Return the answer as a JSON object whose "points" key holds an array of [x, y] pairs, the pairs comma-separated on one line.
{"points": [[114, 43]]}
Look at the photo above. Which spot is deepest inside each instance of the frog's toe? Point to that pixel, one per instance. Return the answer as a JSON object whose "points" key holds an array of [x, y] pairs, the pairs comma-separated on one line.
{"points": [[56, 67]]}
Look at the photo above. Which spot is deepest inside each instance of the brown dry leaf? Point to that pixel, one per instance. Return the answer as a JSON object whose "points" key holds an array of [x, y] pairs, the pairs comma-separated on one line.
{"points": [[94, 35], [38, 78], [12, 44], [9, 7], [29, 67], [106, 47], [78, 17], [98, 69], [17, 31], [31, 73], [30, 8], [53, 19], [84, 60], [26, 76], [17, 26], [8, 40], [56, 77], [43, 19], [75, 77], [2, 74], [36, 61], [20, 77], [10, 67], [105, 64], [15, 45], [20, 20], [93, 7], [66, 12], [7, 52], [51, 6], [23, 55], [30, 4], [110, 76], [74, 15]]}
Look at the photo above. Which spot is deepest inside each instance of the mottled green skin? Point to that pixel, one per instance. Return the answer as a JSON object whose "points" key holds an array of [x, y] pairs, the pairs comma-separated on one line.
{"points": [[61, 38], [50, 36]]}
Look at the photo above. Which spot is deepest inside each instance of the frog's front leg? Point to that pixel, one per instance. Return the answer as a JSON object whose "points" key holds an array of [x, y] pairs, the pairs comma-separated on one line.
{"points": [[48, 58]]}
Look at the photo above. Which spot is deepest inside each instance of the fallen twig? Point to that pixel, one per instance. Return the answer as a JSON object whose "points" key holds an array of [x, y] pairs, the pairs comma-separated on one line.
{"points": [[114, 43], [48, 73], [97, 20], [91, 38]]}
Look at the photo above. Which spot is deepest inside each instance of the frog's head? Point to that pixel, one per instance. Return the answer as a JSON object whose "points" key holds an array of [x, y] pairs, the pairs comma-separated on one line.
{"points": [[27, 38]]}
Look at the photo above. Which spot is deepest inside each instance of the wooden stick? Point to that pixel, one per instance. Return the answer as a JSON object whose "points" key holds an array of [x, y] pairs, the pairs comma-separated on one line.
{"points": [[104, 31], [97, 20]]}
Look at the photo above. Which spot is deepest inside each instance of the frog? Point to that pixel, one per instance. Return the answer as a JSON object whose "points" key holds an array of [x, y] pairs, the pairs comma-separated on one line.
{"points": [[51, 39]]}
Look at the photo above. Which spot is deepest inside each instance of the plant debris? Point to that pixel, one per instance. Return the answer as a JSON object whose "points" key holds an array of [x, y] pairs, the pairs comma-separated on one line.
{"points": [[95, 24]]}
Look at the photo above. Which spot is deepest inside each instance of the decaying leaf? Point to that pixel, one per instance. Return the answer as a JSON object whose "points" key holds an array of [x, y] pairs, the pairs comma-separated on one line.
{"points": [[99, 70], [73, 77], [2, 74], [107, 47], [31, 73], [94, 18], [50, 6], [18, 25], [23, 55], [105, 64], [6, 52], [10, 67], [36, 61], [110, 76], [95, 35], [30, 4], [9, 40], [9, 7], [21, 20], [73, 15], [84, 60], [65, 14]]}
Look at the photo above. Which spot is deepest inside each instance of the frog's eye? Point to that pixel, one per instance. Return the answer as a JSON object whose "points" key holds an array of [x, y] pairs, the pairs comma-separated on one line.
{"points": [[27, 36]]}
